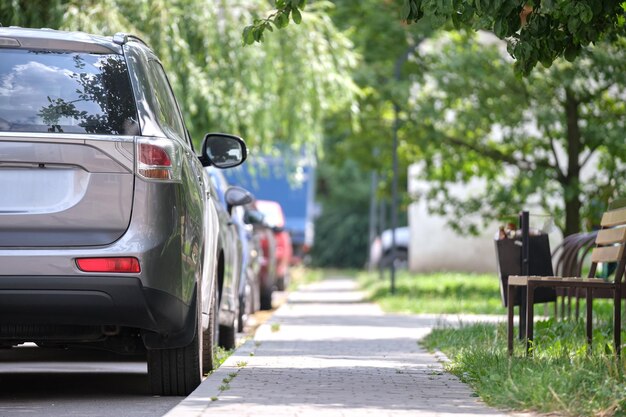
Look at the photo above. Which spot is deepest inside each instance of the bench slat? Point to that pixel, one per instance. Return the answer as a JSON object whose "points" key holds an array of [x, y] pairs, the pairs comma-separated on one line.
{"points": [[614, 218], [520, 280], [607, 254], [610, 236]]}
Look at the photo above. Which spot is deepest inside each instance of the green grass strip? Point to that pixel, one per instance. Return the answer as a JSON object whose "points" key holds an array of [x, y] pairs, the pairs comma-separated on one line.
{"points": [[560, 378]]}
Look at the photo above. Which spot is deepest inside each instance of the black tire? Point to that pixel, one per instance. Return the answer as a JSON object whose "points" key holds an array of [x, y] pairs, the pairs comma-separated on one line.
{"points": [[266, 298], [228, 336], [281, 284], [242, 314], [401, 259], [177, 371], [210, 337], [246, 302]]}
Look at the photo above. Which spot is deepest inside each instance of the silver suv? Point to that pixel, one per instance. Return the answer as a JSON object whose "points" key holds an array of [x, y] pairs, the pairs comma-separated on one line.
{"points": [[108, 229]]}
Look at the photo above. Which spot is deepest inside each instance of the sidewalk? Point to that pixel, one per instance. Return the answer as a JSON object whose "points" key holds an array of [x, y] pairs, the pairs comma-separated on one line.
{"points": [[326, 353]]}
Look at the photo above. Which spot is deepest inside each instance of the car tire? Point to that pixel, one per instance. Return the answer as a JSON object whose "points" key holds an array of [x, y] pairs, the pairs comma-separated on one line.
{"points": [[266, 298], [281, 283], [228, 336], [177, 371], [210, 337], [400, 260]]}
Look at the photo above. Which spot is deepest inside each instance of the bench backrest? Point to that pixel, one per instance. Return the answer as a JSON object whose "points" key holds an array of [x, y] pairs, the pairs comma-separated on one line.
{"points": [[610, 242]]}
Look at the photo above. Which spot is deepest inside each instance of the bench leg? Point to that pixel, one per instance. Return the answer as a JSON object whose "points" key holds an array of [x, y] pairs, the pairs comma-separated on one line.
{"points": [[589, 318], [617, 319], [522, 312], [510, 329], [530, 302]]}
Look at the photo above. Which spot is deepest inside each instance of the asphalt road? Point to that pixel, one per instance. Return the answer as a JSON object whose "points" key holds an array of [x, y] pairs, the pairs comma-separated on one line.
{"points": [[53, 382]]}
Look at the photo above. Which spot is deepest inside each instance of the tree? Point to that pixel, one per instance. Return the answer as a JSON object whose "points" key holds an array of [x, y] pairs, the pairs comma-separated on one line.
{"points": [[528, 140], [536, 30], [278, 93], [341, 232]]}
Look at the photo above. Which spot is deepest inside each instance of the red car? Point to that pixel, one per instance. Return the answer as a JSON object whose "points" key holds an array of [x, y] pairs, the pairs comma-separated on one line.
{"points": [[274, 218]]}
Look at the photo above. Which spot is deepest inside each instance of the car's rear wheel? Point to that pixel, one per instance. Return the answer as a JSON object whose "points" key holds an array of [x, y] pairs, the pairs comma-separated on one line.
{"points": [[177, 371]]}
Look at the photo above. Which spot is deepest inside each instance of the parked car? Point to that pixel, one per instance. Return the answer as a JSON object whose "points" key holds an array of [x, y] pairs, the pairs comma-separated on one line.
{"points": [[108, 235], [265, 243], [249, 284], [275, 219], [381, 254], [234, 248]]}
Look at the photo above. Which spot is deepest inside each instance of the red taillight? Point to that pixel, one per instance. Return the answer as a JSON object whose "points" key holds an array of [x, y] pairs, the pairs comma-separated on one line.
{"points": [[125, 265], [158, 159], [153, 155]]}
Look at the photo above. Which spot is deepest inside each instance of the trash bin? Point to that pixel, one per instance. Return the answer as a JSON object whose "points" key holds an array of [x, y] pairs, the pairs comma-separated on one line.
{"points": [[509, 258]]}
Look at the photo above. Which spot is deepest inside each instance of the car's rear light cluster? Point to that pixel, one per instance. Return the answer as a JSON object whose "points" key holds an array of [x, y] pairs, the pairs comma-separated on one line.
{"points": [[114, 265], [158, 159]]}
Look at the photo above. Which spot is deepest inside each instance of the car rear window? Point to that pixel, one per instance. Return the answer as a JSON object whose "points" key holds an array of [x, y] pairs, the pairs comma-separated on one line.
{"points": [[65, 92]]}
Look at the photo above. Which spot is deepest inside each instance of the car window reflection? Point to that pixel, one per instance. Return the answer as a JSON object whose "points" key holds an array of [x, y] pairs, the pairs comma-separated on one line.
{"points": [[44, 91]]}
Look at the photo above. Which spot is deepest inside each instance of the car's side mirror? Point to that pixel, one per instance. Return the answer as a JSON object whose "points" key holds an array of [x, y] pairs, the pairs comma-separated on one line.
{"points": [[223, 150], [237, 196]]}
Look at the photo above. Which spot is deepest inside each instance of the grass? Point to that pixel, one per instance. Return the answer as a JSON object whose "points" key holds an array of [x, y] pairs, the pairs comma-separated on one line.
{"points": [[560, 378], [436, 293]]}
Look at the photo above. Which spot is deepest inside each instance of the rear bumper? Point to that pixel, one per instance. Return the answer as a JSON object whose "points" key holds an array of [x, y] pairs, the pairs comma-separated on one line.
{"points": [[93, 301]]}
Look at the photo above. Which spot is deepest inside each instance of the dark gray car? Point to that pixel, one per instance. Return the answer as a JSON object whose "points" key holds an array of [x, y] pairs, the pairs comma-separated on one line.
{"points": [[108, 230]]}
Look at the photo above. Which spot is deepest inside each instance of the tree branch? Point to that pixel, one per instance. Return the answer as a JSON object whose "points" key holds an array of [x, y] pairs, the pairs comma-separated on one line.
{"points": [[592, 150], [558, 168], [494, 154]]}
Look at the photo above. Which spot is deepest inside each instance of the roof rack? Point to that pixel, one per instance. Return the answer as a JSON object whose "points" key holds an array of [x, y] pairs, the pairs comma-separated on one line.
{"points": [[122, 38]]}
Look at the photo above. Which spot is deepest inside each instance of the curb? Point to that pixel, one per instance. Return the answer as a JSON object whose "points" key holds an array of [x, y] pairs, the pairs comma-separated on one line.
{"points": [[199, 400]]}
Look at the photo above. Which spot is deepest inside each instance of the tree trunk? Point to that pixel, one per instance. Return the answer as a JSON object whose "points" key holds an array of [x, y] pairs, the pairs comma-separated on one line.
{"points": [[571, 184]]}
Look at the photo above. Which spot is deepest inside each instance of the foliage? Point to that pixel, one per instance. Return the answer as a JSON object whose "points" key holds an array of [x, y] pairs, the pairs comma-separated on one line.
{"points": [[436, 293], [536, 30], [560, 378], [557, 132], [341, 232], [279, 92]]}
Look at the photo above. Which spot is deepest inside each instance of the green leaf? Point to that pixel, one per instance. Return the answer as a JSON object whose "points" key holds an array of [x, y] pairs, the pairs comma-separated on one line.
{"points": [[586, 14], [500, 28], [281, 20], [296, 16], [571, 52], [248, 35], [406, 10], [258, 34], [547, 6], [573, 24]]}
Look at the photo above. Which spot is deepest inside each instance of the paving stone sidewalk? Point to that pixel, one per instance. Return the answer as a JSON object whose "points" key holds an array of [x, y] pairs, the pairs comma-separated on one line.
{"points": [[327, 353]]}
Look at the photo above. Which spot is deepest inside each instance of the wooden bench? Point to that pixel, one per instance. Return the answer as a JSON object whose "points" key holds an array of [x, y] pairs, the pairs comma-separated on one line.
{"points": [[610, 242]]}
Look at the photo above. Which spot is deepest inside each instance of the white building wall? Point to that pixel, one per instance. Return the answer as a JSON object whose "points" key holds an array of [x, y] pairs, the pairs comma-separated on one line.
{"points": [[434, 246]]}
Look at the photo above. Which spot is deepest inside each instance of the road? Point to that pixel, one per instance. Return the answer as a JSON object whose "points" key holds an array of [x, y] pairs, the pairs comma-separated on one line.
{"points": [[53, 382]]}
